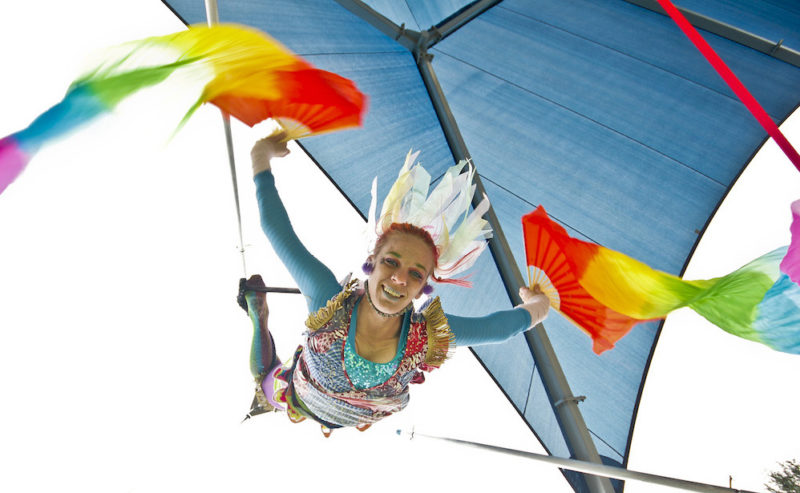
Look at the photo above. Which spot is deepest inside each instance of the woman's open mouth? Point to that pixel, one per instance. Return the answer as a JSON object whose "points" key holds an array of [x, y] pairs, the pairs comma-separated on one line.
{"points": [[391, 293]]}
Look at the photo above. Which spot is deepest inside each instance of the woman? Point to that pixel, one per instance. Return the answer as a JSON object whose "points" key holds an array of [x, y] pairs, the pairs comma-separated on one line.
{"points": [[365, 344]]}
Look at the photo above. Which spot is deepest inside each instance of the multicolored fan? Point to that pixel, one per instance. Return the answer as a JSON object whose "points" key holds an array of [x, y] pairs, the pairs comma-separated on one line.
{"points": [[605, 292], [241, 70], [549, 267]]}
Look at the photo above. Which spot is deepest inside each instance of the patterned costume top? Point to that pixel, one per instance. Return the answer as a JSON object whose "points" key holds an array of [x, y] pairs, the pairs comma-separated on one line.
{"points": [[318, 374]]}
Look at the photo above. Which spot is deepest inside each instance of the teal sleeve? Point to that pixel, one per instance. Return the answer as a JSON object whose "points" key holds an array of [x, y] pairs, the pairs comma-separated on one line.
{"points": [[490, 329], [315, 280]]}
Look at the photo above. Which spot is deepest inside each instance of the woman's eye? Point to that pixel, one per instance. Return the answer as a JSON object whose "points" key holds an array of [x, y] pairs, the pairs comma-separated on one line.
{"points": [[416, 274], [390, 261]]}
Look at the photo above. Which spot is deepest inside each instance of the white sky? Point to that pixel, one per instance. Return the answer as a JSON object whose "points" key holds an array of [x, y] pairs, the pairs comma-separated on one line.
{"points": [[124, 357]]}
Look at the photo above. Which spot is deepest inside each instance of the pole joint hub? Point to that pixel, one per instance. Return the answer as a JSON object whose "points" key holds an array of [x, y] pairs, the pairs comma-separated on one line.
{"points": [[576, 399]]}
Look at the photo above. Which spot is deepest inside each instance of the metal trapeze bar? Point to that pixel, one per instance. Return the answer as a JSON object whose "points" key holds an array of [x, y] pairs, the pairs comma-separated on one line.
{"points": [[270, 289]]}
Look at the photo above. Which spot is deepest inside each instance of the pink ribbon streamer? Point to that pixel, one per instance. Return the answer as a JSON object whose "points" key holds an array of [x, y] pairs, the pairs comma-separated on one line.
{"points": [[733, 82], [791, 262], [12, 161]]}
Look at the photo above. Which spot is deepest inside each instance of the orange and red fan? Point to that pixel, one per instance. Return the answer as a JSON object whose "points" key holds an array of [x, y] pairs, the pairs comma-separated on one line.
{"points": [[311, 102], [255, 78], [549, 267]]}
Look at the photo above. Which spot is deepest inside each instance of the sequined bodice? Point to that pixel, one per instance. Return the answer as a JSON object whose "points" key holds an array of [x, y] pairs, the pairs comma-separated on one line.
{"points": [[363, 372]]}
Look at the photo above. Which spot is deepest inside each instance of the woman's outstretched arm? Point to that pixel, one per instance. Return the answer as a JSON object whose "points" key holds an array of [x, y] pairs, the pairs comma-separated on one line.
{"points": [[315, 280], [503, 325]]}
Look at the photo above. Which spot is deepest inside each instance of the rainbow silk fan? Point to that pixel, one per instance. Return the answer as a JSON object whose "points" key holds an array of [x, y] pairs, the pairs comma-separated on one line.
{"points": [[244, 72], [605, 292]]}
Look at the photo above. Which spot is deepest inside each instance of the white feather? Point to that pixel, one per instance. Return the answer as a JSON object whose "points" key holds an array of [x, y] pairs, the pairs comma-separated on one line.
{"points": [[370, 232]]}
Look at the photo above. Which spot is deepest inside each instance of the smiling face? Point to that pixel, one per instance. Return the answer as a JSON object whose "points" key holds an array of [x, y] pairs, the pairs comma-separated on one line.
{"points": [[402, 266]]}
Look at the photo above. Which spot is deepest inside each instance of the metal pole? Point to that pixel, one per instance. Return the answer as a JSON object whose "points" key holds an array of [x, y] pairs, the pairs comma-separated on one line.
{"points": [[565, 405], [212, 13], [212, 17], [590, 467], [769, 47]]}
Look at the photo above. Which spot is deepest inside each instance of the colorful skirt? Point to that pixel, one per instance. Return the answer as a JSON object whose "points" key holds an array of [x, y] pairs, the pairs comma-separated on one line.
{"points": [[278, 391]]}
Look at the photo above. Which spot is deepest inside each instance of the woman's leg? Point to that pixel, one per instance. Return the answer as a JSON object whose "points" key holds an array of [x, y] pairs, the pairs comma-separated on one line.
{"points": [[263, 358], [262, 350]]}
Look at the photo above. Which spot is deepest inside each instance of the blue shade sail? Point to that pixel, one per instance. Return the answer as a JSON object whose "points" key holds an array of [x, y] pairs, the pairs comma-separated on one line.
{"points": [[775, 20], [602, 111], [418, 15]]}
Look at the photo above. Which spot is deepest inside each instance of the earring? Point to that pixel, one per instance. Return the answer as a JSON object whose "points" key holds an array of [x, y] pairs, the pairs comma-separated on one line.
{"points": [[368, 267], [427, 289]]}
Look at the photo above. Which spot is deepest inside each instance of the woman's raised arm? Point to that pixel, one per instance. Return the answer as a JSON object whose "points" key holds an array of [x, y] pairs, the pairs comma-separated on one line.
{"points": [[315, 280], [502, 325]]}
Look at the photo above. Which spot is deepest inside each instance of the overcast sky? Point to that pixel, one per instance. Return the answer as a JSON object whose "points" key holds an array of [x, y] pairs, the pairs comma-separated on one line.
{"points": [[123, 355]]}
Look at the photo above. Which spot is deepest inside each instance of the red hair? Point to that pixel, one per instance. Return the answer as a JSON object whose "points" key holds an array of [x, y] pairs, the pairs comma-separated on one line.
{"points": [[410, 229]]}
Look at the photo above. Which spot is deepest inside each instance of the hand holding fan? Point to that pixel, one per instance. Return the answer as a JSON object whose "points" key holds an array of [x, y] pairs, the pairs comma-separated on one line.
{"points": [[549, 268], [605, 292]]}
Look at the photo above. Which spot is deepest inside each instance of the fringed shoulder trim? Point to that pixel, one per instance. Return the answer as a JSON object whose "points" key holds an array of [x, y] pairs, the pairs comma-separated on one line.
{"points": [[318, 319], [441, 340]]}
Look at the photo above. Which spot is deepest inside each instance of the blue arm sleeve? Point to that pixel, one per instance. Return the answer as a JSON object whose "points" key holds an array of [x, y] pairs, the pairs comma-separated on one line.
{"points": [[490, 329], [315, 280]]}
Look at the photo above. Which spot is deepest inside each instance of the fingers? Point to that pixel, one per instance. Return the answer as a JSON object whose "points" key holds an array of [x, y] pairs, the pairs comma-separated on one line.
{"points": [[276, 141], [277, 134], [273, 145], [264, 150], [527, 293], [538, 305]]}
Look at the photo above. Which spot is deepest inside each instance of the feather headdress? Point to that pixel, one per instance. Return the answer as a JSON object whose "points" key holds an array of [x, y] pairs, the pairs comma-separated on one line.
{"points": [[458, 234]]}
